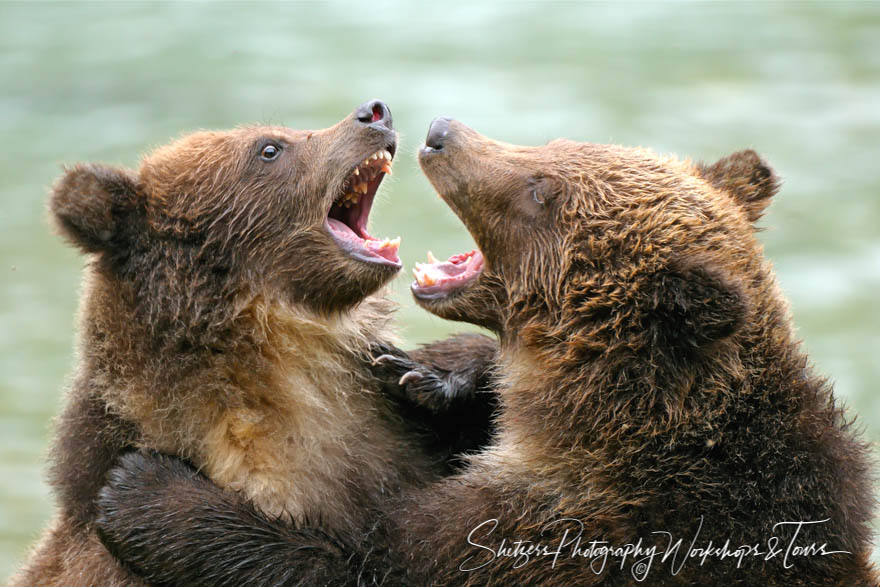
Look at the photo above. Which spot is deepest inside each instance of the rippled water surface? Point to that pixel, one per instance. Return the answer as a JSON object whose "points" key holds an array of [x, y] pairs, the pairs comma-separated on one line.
{"points": [[800, 83]]}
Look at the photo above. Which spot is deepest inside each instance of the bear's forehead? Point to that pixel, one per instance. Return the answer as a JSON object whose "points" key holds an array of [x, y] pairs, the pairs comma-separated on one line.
{"points": [[599, 161], [280, 133], [211, 150], [241, 137]]}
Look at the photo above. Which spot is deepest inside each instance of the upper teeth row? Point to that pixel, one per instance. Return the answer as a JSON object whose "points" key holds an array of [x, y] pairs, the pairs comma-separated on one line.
{"points": [[379, 159], [366, 171], [383, 154]]}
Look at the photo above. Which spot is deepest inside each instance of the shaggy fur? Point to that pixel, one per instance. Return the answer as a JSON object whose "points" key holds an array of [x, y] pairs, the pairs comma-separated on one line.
{"points": [[653, 392], [221, 323]]}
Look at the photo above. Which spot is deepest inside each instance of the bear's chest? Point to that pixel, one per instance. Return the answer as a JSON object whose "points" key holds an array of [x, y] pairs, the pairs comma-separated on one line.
{"points": [[302, 442]]}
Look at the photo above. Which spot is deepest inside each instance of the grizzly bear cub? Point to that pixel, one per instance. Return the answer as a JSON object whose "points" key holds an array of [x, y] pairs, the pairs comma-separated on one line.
{"points": [[230, 316], [659, 421]]}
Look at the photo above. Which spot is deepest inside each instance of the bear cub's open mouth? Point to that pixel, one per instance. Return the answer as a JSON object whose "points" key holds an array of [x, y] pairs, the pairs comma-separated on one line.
{"points": [[347, 218], [438, 279]]}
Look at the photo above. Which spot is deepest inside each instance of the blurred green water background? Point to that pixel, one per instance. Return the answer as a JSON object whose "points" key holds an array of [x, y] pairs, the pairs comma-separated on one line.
{"points": [[800, 83]]}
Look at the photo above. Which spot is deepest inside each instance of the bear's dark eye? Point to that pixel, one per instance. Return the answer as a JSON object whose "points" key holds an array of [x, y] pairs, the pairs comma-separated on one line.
{"points": [[270, 152]]}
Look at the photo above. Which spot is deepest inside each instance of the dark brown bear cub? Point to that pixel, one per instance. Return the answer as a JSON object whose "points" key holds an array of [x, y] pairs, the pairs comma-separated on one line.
{"points": [[230, 316], [659, 421]]}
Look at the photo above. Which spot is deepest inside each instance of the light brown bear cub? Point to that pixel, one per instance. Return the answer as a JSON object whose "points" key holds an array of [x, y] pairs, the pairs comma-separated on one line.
{"points": [[228, 317]]}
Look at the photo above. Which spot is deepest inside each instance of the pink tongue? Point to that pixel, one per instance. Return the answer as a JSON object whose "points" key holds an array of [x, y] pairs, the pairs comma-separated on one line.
{"points": [[456, 268], [343, 230], [446, 269], [386, 252]]}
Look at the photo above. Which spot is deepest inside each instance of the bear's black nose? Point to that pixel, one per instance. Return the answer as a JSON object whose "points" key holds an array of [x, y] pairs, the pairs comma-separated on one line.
{"points": [[437, 132], [374, 112]]}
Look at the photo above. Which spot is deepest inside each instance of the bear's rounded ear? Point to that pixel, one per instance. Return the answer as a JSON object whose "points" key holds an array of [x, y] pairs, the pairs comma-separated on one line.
{"points": [[90, 205], [745, 176]]}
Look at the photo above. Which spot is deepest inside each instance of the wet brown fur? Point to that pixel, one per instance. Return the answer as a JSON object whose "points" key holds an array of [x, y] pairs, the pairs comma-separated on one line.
{"points": [[651, 382], [220, 323], [651, 375]]}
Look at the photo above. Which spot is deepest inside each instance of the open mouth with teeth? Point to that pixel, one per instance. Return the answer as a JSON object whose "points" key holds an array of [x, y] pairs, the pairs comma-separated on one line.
{"points": [[439, 279], [347, 218]]}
